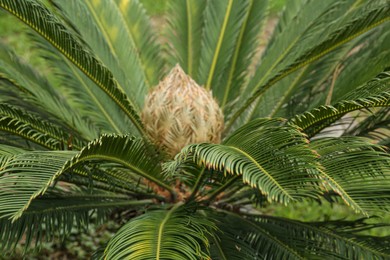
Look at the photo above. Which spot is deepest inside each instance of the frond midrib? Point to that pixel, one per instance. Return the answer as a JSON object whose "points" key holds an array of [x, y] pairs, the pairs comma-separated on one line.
{"points": [[271, 82], [161, 229], [331, 234], [266, 234], [135, 121]]}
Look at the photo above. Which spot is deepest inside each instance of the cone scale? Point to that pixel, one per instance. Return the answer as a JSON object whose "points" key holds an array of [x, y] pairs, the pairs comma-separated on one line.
{"points": [[179, 112]]}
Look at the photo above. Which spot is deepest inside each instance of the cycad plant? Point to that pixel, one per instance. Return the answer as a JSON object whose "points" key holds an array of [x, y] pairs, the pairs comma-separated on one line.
{"points": [[194, 129]]}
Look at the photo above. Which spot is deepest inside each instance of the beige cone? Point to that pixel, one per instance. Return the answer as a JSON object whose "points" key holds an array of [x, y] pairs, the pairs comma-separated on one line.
{"points": [[179, 112]]}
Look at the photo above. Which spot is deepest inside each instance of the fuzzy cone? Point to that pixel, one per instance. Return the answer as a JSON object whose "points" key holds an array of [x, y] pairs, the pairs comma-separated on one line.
{"points": [[179, 112]]}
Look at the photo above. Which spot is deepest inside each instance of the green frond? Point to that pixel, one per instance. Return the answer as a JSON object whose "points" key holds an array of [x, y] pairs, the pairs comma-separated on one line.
{"points": [[370, 55], [84, 95], [223, 20], [241, 236], [120, 34], [235, 75], [310, 86], [375, 126], [34, 129], [333, 239], [35, 93], [25, 177], [132, 153], [357, 21], [178, 233], [270, 157], [47, 25], [55, 215], [185, 25], [356, 170], [374, 93], [31, 174]]}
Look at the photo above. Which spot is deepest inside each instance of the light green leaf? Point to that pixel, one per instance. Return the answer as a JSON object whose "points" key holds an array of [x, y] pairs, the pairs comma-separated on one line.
{"points": [[185, 24], [38, 17], [270, 157], [163, 234]]}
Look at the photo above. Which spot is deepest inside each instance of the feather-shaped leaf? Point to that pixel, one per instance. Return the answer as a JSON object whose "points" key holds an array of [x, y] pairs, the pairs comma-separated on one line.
{"points": [[273, 158], [47, 25], [235, 75], [223, 20], [31, 174], [25, 177], [375, 93], [35, 93], [356, 170], [35, 129], [185, 24], [273, 237], [241, 236], [83, 94], [119, 32], [345, 29], [55, 215], [174, 233]]}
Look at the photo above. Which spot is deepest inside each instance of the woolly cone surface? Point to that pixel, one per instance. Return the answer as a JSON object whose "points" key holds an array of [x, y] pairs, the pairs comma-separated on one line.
{"points": [[179, 112]]}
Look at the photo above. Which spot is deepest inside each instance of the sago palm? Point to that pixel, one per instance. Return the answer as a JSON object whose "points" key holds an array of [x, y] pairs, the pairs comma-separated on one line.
{"points": [[192, 128]]}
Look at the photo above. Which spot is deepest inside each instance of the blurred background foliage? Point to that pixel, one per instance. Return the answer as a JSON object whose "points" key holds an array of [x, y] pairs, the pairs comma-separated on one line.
{"points": [[81, 245]]}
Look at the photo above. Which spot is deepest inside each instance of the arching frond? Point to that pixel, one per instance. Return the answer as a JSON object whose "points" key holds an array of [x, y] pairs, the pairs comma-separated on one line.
{"points": [[34, 129], [28, 89], [185, 25], [235, 75], [223, 20], [37, 17], [273, 237], [178, 233], [119, 32], [356, 170], [374, 93], [56, 214], [273, 158], [347, 28], [28, 175], [243, 236], [376, 127], [83, 94]]}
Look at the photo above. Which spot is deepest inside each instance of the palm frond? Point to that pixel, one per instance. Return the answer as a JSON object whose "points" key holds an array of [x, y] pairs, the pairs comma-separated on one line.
{"points": [[243, 236], [271, 157], [274, 237], [374, 93], [236, 73], [91, 102], [37, 17], [376, 127], [121, 36], [185, 24], [301, 90], [179, 233], [132, 153], [31, 174], [371, 50], [26, 176], [359, 21], [25, 87], [223, 20], [34, 129], [56, 214], [356, 170]]}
